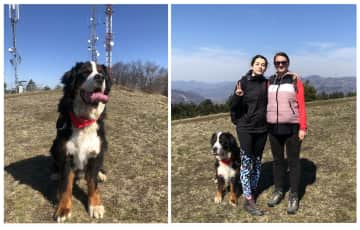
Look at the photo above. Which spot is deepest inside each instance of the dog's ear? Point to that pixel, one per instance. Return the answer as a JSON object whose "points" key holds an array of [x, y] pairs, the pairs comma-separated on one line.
{"points": [[213, 138], [69, 79], [232, 142]]}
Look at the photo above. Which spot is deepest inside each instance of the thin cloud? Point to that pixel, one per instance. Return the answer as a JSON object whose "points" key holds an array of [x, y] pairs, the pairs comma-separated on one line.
{"points": [[217, 64], [321, 45], [209, 64], [335, 62]]}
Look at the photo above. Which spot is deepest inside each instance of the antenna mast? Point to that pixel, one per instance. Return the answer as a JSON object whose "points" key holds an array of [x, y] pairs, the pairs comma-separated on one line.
{"points": [[93, 37], [108, 37], [14, 16]]}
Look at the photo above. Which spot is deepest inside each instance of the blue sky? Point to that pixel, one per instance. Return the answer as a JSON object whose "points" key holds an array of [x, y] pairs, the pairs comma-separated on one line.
{"points": [[218, 41], [51, 38]]}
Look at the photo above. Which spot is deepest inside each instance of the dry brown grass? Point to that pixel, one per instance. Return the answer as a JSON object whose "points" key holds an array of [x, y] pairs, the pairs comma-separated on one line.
{"points": [[328, 155], [136, 163]]}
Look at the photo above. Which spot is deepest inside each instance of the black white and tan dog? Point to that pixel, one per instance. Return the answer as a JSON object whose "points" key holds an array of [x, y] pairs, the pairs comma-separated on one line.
{"points": [[80, 142], [227, 165]]}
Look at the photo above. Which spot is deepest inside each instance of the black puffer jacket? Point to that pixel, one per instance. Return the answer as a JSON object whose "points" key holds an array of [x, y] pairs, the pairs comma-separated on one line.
{"points": [[248, 112]]}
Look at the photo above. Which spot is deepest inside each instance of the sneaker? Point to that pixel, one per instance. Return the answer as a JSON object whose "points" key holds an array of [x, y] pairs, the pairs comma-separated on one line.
{"points": [[293, 204], [276, 197], [251, 208]]}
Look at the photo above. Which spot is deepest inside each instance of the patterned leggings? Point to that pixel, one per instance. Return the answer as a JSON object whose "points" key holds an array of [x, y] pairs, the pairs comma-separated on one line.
{"points": [[252, 146], [249, 173]]}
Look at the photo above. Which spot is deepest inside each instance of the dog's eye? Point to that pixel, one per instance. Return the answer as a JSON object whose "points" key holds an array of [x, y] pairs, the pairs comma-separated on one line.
{"points": [[223, 143], [85, 73], [81, 77]]}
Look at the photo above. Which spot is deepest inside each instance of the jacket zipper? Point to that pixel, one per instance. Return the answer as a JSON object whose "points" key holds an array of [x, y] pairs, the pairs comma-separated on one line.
{"points": [[291, 108]]}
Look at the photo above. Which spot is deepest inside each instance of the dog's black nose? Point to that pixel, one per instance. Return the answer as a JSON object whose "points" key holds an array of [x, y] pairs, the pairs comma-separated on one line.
{"points": [[99, 78], [214, 150]]}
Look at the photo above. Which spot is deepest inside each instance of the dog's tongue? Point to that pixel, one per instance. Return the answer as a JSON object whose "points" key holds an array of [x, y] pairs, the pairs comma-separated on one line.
{"points": [[98, 97]]}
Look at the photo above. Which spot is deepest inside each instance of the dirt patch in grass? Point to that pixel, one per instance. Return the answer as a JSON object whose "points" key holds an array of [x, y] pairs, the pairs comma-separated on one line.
{"points": [[136, 163], [328, 161]]}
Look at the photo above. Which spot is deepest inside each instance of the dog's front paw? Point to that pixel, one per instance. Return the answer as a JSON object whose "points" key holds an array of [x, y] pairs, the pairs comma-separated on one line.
{"points": [[218, 198], [62, 214], [97, 211], [232, 199], [102, 176]]}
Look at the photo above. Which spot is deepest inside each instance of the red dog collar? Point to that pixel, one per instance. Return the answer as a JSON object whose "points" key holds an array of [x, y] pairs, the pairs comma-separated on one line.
{"points": [[79, 122], [227, 162]]}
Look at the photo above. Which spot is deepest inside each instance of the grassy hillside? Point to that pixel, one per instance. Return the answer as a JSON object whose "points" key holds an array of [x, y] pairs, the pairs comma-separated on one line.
{"points": [[136, 163], [328, 160]]}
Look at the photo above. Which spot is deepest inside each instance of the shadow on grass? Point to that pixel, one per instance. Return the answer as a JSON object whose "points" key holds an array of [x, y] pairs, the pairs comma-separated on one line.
{"points": [[308, 176], [35, 172]]}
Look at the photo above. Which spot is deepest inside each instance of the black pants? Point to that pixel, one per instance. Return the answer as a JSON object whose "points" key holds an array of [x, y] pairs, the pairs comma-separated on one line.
{"points": [[293, 144], [252, 143]]}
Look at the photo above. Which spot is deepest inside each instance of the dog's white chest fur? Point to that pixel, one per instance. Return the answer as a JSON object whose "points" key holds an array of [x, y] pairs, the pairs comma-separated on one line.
{"points": [[83, 144], [226, 171]]}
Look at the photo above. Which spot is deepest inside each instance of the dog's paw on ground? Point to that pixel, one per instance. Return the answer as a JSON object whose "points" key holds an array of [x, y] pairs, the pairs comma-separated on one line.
{"points": [[97, 211], [232, 199], [218, 198], [102, 176], [62, 215]]}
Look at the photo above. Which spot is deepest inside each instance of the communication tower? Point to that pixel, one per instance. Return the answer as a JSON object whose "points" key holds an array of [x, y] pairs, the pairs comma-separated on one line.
{"points": [[14, 15], [109, 43], [93, 37]]}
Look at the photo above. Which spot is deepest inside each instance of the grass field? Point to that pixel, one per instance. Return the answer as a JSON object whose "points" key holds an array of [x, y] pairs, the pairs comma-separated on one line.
{"points": [[328, 160], [136, 163]]}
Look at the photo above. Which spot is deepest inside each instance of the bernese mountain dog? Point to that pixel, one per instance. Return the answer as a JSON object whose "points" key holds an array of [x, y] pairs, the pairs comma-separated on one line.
{"points": [[227, 165], [80, 142]]}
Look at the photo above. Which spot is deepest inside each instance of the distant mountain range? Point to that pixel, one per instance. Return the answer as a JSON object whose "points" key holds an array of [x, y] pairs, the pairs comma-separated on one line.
{"points": [[178, 96], [332, 84], [195, 91], [216, 92]]}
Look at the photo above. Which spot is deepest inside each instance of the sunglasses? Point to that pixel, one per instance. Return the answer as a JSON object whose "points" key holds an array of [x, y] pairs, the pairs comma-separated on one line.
{"points": [[277, 63]]}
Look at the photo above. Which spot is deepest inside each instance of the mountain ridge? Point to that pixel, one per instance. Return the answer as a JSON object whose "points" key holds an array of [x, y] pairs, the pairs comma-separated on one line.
{"points": [[219, 92]]}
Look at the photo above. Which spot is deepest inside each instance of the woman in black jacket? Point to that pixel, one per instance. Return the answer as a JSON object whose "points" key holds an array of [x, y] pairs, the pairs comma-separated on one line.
{"points": [[248, 113]]}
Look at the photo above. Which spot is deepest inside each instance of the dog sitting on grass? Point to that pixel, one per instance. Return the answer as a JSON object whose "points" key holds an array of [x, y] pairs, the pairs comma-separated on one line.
{"points": [[227, 166]]}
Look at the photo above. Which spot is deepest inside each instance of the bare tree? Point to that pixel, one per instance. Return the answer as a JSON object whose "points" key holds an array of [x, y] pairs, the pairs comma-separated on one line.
{"points": [[138, 75]]}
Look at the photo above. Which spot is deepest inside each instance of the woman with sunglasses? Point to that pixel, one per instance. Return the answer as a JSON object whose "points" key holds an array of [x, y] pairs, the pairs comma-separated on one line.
{"points": [[248, 113], [286, 117]]}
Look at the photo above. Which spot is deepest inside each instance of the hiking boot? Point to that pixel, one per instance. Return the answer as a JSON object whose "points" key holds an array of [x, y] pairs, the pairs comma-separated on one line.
{"points": [[254, 194], [276, 197], [251, 208], [293, 204]]}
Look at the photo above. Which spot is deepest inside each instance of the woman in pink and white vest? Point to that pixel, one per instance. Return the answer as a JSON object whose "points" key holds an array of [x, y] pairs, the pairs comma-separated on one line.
{"points": [[286, 117]]}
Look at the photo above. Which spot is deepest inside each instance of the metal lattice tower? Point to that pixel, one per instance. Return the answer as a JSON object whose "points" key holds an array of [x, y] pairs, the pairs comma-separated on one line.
{"points": [[14, 15], [93, 37], [108, 37]]}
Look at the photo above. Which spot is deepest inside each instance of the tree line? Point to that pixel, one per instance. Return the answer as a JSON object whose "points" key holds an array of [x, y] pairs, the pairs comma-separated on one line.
{"points": [[29, 86], [206, 107], [187, 110], [137, 75]]}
